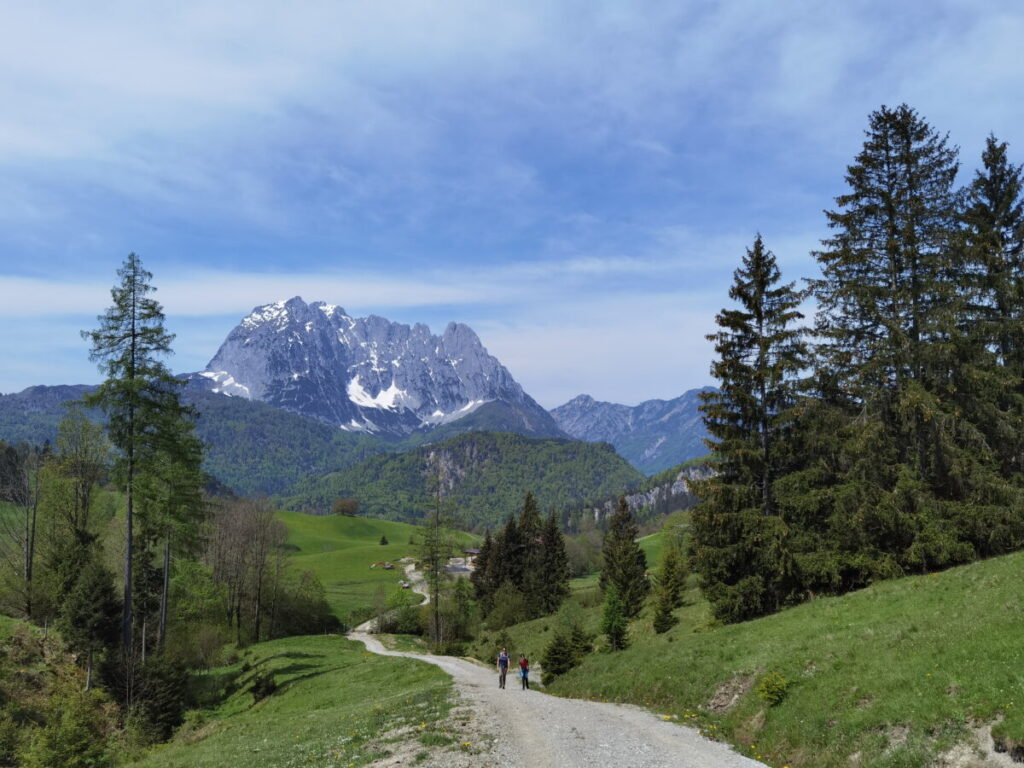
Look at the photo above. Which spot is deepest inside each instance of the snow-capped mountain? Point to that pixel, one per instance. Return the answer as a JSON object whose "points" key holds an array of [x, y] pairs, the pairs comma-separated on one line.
{"points": [[368, 374], [652, 436]]}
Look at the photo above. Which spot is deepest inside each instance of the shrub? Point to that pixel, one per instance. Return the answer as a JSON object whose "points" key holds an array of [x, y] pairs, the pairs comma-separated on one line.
{"points": [[73, 736], [558, 658], [613, 620], [263, 686], [772, 688], [664, 619], [565, 651], [510, 607], [162, 689]]}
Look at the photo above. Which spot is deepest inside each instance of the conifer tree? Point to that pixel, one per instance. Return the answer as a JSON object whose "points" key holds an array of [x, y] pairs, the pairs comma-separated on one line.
{"points": [[506, 564], [479, 577], [557, 658], [664, 619], [994, 217], [531, 555], [917, 485], [128, 345], [613, 619], [738, 534], [624, 564], [526, 558], [994, 223], [89, 619], [671, 576], [555, 566]]}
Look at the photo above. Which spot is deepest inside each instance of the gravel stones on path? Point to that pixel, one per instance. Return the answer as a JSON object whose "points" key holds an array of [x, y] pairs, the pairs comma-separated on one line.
{"points": [[530, 729]]}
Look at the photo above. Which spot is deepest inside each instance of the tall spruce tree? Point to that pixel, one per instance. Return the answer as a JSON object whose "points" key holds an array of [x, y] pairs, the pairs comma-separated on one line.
{"points": [[531, 556], [555, 566], [128, 345], [994, 224], [624, 564], [740, 544], [994, 217], [481, 588], [918, 486]]}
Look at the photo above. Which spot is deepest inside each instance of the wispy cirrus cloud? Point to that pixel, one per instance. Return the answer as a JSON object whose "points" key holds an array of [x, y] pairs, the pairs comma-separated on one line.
{"points": [[553, 173]]}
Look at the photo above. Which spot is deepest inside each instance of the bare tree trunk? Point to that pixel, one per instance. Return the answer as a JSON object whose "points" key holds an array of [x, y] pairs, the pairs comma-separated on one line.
{"points": [[88, 672], [126, 618], [30, 544], [273, 598], [256, 609], [164, 594]]}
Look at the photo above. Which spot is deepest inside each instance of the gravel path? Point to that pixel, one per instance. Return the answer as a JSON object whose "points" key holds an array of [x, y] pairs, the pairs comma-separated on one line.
{"points": [[535, 730]]}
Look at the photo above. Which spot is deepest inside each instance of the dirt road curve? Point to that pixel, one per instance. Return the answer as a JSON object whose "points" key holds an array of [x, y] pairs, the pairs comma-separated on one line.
{"points": [[535, 730]]}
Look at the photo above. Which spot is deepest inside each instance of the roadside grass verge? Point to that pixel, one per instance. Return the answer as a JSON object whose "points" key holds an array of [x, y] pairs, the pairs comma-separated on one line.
{"points": [[890, 676], [326, 701]]}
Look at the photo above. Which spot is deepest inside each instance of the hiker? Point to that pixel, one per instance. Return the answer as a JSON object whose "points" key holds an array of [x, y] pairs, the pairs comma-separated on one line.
{"points": [[502, 667], [524, 671]]}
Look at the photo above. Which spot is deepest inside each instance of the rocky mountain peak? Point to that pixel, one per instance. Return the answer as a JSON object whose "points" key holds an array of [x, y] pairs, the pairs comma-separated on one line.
{"points": [[654, 435], [365, 374]]}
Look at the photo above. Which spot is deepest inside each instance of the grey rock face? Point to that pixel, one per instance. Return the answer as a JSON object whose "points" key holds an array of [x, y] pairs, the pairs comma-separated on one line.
{"points": [[652, 436], [364, 374], [669, 496]]}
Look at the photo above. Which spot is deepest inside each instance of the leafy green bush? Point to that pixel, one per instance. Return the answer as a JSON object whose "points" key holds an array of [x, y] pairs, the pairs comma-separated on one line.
{"points": [[772, 688]]}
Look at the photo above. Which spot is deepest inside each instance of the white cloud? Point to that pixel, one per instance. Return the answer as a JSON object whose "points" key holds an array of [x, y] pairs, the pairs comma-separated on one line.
{"points": [[624, 348]]}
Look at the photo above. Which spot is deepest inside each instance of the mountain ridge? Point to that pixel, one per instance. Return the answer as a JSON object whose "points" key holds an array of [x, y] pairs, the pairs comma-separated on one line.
{"points": [[653, 435], [366, 374]]}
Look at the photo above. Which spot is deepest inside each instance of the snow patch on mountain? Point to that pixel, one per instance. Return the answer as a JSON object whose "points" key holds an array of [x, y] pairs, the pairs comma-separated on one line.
{"points": [[366, 374]]}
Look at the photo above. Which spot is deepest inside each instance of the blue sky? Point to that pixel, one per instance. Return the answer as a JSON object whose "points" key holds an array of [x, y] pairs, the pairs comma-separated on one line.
{"points": [[575, 180]]}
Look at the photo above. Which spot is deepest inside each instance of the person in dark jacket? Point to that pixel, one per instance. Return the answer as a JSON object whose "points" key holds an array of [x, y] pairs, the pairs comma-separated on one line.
{"points": [[503, 661]]}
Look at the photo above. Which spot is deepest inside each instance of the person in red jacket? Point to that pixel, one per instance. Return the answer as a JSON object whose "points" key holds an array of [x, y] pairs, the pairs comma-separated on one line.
{"points": [[524, 671]]}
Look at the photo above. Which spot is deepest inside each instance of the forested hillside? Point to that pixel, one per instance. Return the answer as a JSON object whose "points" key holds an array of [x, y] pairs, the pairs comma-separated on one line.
{"points": [[249, 446], [484, 477]]}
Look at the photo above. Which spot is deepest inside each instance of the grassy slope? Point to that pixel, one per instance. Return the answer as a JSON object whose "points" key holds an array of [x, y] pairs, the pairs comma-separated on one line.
{"points": [[7, 627], [341, 549], [333, 704], [895, 673]]}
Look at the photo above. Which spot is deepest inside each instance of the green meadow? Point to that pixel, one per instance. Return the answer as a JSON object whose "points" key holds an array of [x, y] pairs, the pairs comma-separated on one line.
{"points": [[340, 550], [333, 704]]}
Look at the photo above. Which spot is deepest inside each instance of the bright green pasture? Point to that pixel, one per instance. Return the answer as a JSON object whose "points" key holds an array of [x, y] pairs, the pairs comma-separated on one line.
{"points": [[895, 673], [652, 547], [333, 704], [340, 550]]}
